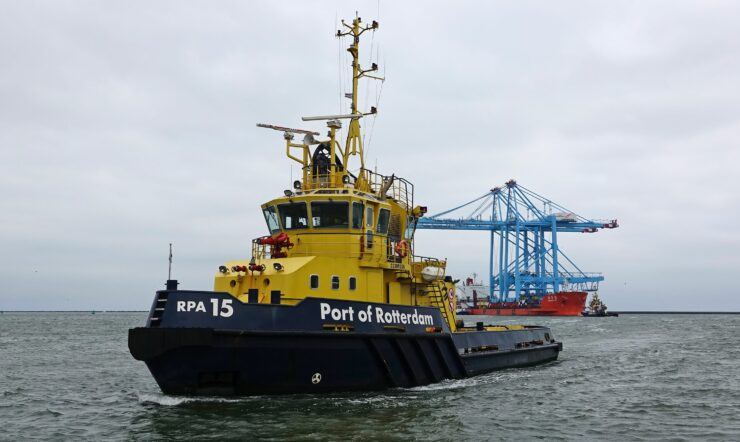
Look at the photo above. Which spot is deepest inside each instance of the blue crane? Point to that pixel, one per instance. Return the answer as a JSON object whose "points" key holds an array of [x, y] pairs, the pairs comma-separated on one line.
{"points": [[524, 230]]}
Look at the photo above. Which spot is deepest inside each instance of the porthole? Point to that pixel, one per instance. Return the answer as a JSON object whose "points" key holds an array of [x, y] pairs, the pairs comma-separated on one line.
{"points": [[353, 283], [314, 281], [335, 282]]}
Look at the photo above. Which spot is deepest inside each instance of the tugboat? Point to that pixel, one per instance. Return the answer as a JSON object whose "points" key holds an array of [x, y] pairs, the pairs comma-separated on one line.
{"points": [[473, 297], [335, 298], [597, 308]]}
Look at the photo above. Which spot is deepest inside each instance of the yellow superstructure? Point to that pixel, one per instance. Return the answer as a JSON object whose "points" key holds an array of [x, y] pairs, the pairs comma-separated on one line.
{"points": [[340, 234]]}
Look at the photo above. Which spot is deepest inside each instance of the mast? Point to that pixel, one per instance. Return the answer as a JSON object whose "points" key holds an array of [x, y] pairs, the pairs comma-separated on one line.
{"points": [[171, 283], [329, 172], [353, 146]]}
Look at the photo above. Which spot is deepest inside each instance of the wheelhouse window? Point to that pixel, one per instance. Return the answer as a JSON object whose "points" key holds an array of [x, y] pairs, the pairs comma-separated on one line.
{"points": [[357, 211], [330, 214], [383, 217], [314, 281], [353, 283], [272, 219], [335, 282], [293, 215], [369, 217]]}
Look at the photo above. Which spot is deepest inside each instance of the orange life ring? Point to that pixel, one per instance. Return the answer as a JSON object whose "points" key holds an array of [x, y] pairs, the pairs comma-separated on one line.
{"points": [[402, 248]]}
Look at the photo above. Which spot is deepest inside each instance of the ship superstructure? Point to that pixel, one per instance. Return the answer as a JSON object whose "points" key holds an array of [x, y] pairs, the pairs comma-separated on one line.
{"points": [[339, 234]]}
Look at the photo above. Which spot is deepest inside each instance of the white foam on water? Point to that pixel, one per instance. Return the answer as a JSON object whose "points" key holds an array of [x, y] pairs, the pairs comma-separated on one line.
{"points": [[452, 384], [161, 399], [169, 401], [377, 401]]}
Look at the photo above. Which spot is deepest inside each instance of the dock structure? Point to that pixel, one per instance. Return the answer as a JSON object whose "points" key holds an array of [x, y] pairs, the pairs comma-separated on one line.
{"points": [[525, 260]]}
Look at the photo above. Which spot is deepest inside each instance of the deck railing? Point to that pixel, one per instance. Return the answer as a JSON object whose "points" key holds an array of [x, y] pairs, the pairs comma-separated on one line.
{"points": [[398, 189]]}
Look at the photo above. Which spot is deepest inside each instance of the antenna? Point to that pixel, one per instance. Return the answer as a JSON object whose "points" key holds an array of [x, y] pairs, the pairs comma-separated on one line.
{"points": [[287, 129], [169, 272], [334, 117], [171, 283]]}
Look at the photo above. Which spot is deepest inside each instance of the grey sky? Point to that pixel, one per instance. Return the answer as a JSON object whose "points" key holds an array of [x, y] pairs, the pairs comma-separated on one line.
{"points": [[125, 126]]}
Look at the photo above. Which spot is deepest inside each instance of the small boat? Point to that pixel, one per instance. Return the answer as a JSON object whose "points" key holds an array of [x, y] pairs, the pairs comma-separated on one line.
{"points": [[597, 308], [334, 297]]}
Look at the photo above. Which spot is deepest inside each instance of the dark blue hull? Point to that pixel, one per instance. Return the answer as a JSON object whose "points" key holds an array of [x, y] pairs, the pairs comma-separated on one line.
{"points": [[282, 349]]}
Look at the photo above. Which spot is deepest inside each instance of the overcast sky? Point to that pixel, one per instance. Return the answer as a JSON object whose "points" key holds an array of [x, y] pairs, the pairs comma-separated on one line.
{"points": [[128, 125]]}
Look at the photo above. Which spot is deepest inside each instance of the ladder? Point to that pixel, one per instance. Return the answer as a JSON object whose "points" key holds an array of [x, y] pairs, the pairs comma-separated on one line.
{"points": [[437, 298]]}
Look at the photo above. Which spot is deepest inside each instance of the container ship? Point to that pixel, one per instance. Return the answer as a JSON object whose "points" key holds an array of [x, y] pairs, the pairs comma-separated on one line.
{"points": [[334, 297], [473, 299]]}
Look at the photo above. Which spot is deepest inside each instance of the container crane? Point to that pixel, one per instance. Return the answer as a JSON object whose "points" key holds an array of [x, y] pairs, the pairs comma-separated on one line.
{"points": [[525, 260]]}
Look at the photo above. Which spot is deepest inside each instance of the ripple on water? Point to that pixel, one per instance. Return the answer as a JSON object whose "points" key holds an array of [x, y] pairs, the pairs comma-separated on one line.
{"points": [[627, 378]]}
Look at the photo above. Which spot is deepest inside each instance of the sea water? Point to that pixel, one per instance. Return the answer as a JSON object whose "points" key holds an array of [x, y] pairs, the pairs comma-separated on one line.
{"points": [[636, 377]]}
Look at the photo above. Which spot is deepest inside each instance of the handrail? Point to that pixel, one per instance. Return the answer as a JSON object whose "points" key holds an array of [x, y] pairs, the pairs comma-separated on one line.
{"points": [[399, 189], [382, 242]]}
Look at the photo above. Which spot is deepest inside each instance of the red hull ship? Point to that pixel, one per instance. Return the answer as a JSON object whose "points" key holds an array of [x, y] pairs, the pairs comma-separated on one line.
{"points": [[555, 304], [472, 299]]}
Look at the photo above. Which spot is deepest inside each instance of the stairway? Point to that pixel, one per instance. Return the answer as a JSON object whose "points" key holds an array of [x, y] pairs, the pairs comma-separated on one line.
{"points": [[437, 298]]}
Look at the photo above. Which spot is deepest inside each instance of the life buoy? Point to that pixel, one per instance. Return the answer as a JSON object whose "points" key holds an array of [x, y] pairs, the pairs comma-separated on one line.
{"points": [[402, 248]]}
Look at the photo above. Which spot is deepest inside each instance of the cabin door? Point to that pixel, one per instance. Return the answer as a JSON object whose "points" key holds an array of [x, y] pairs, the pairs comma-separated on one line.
{"points": [[375, 289]]}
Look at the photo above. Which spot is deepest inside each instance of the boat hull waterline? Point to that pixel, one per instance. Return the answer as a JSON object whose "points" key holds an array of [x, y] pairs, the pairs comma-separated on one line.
{"points": [[207, 343]]}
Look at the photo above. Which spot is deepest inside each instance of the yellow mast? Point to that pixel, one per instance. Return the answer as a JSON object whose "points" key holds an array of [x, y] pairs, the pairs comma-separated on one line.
{"points": [[353, 146]]}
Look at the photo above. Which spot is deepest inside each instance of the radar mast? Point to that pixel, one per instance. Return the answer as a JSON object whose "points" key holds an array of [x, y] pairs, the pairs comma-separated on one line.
{"points": [[353, 146], [327, 165]]}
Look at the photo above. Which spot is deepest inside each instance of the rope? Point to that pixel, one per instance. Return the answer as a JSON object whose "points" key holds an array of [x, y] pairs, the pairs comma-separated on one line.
{"points": [[366, 147], [375, 116]]}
